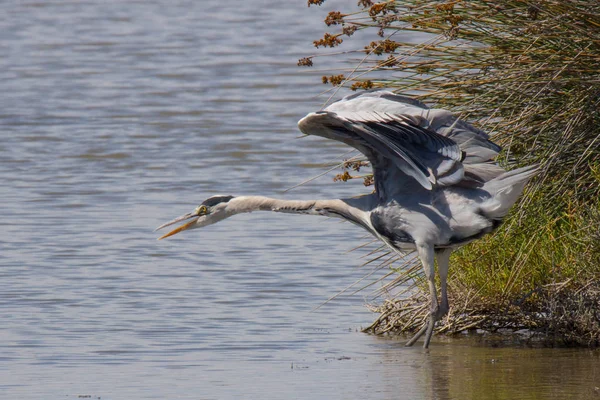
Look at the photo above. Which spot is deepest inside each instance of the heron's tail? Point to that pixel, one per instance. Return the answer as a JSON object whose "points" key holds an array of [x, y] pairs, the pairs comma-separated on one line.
{"points": [[505, 190]]}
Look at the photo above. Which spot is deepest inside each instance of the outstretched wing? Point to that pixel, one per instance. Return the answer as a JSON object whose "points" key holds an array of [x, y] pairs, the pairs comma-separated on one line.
{"points": [[405, 140]]}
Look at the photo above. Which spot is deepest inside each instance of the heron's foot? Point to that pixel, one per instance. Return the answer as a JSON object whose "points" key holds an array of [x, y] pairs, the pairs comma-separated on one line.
{"points": [[430, 326], [435, 315], [417, 336]]}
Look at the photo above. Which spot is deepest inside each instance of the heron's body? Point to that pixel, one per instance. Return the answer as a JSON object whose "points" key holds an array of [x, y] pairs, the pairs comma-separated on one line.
{"points": [[437, 186]]}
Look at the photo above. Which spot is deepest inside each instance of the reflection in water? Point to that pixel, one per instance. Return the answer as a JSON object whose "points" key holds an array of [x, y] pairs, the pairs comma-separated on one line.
{"points": [[464, 368], [117, 115]]}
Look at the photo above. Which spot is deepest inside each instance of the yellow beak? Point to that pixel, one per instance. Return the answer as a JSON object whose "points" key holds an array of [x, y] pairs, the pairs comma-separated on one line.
{"points": [[183, 227]]}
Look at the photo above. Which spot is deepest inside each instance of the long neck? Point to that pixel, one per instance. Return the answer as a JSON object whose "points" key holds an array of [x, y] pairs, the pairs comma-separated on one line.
{"points": [[355, 210]]}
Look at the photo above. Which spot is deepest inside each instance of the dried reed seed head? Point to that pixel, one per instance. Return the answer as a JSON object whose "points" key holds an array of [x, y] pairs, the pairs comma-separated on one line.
{"points": [[349, 30], [382, 8], [355, 165], [334, 18], [335, 80], [369, 180], [362, 85], [383, 46], [328, 40], [365, 3], [315, 2], [343, 177], [305, 62]]}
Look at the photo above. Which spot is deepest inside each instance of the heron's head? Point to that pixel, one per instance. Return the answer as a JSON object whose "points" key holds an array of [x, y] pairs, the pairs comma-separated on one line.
{"points": [[212, 210]]}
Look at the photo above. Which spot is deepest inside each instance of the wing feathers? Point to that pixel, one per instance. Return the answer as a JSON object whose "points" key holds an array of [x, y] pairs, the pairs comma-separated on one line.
{"points": [[418, 152], [405, 131], [402, 137], [399, 156]]}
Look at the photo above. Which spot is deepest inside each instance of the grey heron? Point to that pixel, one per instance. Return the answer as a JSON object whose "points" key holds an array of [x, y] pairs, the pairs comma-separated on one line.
{"points": [[437, 185]]}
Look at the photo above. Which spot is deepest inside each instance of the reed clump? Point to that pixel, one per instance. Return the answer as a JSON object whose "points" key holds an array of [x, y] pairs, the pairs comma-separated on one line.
{"points": [[527, 72]]}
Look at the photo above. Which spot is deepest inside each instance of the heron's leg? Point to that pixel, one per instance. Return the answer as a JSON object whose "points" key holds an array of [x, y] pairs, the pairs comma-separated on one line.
{"points": [[426, 254], [420, 333], [443, 261]]}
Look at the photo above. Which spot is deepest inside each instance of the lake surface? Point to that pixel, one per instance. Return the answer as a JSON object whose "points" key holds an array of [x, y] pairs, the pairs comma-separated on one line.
{"points": [[118, 116]]}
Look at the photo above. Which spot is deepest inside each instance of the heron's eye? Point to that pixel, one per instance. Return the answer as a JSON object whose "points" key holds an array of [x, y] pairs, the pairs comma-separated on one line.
{"points": [[202, 210]]}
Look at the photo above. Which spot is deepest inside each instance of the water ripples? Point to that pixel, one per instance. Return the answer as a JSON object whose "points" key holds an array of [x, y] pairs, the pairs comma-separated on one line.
{"points": [[116, 116]]}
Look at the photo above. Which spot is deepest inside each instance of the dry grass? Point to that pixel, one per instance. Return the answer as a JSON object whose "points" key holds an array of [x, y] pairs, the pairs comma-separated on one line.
{"points": [[566, 314]]}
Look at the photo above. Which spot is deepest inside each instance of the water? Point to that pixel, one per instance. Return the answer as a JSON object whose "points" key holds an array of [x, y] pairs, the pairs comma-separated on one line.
{"points": [[117, 116]]}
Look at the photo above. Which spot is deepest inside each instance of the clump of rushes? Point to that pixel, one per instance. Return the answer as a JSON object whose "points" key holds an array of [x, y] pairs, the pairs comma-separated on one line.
{"points": [[362, 85], [355, 166], [334, 18], [527, 72], [382, 46], [335, 80], [328, 40], [305, 62]]}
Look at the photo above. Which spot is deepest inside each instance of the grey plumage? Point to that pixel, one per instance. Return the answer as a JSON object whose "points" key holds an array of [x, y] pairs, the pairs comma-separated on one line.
{"points": [[212, 201], [437, 185]]}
